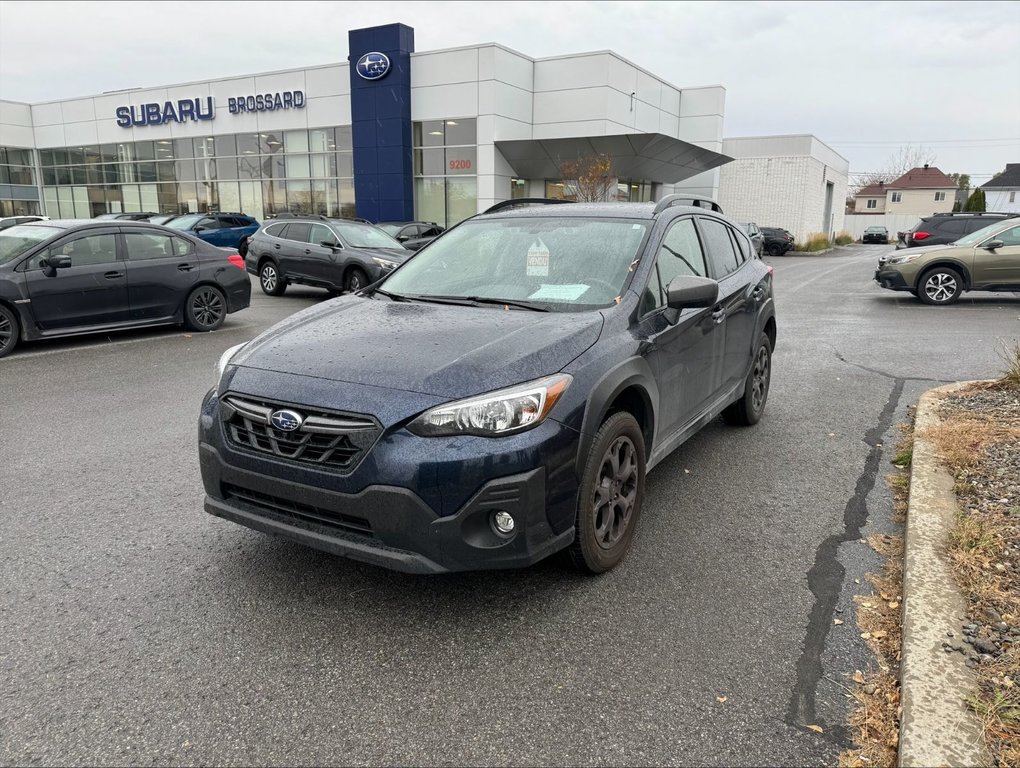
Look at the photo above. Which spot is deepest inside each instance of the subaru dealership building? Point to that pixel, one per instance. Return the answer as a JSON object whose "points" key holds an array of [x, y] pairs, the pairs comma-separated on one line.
{"points": [[389, 135]]}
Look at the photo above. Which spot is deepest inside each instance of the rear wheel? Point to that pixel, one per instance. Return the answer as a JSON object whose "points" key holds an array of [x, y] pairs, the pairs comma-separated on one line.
{"points": [[9, 330], [270, 279], [356, 280], [205, 309], [941, 285], [751, 405], [609, 497], [242, 246], [775, 251]]}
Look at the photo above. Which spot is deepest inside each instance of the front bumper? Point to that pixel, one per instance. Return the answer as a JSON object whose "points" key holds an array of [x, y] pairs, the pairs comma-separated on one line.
{"points": [[404, 506], [891, 279]]}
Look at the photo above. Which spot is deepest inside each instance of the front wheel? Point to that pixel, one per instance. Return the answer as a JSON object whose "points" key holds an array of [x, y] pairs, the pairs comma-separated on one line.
{"points": [[775, 251], [270, 280], [8, 331], [609, 497], [941, 285], [356, 280], [205, 309], [751, 405]]}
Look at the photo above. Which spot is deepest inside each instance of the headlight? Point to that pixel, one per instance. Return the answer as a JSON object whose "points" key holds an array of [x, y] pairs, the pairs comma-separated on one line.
{"points": [[905, 259], [224, 359], [504, 412], [386, 264]]}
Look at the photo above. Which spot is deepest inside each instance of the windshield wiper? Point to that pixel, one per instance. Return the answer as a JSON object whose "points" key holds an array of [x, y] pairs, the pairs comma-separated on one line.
{"points": [[388, 295], [472, 301], [509, 303]]}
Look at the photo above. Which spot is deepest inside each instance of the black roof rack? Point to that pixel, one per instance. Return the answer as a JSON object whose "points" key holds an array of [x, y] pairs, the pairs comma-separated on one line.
{"points": [[505, 204], [1005, 214], [697, 202]]}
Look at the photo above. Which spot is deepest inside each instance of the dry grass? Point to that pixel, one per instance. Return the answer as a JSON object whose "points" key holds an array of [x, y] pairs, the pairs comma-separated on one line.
{"points": [[981, 541], [816, 241], [875, 719], [1010, 354]]}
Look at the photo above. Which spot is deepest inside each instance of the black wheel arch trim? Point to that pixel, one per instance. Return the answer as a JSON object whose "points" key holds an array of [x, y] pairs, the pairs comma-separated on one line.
{"points": [[631, 373], [956, 266]]}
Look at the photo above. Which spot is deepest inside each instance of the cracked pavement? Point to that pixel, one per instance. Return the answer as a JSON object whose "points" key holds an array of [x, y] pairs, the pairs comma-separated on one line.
{"points": [[139, 630]]}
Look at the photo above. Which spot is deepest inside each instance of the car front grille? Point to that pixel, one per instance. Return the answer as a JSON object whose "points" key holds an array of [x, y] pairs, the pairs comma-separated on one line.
{"points": [[298, 512], [329, 440]]}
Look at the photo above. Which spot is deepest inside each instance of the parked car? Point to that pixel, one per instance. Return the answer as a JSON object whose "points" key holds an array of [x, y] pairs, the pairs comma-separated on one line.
{"points": [[776, 241], [942, 228], [130, 216], [63, 278], [217, 228], [499, 396], [336, 254], [986, 260], [875, 234], [412, 234], [10, 221], [755, 234]]}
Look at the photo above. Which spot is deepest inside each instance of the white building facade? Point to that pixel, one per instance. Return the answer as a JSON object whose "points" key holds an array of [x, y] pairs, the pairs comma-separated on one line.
{"points": [[796, 183], [392, 134]]}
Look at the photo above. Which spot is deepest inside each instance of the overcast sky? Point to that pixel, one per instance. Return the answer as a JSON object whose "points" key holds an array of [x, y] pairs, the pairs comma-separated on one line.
{"points": [[865, 77]]}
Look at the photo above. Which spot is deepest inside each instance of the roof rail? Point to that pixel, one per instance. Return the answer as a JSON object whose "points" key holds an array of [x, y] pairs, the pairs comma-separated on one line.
{"points": [[504, 204], [289, 215], [1006, 214], [697, 202]]}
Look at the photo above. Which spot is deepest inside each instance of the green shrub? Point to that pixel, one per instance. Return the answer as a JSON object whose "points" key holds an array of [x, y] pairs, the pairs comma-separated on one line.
{"points": [[816, 241]]}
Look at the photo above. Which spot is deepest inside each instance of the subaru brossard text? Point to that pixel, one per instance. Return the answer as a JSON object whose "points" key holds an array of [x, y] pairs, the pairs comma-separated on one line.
{"points": [[499, 396]]}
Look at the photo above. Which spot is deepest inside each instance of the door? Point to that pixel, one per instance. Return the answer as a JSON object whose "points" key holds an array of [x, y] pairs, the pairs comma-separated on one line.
{"points": [[232, 229], [296, 259], [91, 292], [684, 354], [209, 229], [323, 262], [1000, 267], [738, 301], [161, 269]]}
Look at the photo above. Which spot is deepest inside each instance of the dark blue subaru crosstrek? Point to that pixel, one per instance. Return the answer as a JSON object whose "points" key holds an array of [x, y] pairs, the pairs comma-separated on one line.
{"points": [[499, 396]]}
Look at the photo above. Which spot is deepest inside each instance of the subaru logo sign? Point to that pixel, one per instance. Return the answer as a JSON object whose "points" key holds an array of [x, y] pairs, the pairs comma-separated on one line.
{"points": [[373, 66], [286, 420]]}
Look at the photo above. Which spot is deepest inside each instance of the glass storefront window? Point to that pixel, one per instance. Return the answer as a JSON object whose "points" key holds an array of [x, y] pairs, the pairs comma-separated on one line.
{"points": [[345, 164], [204, 147], [183, 148], [249, 167], [299, 196], [16, 156], [321, 140], [145, 171], [429, 162], [297, 167], [251, 199], [461, 199], [295, 141], [185, 170], [430, 199], [229, 196], [460, 161], [344, 143], [143, 150], [462, 131], [164, 172], [165, 149], [270, 143], [429, 133], [226, 168], [518, 188], [75, 156], [248, 144], [226, 146]]}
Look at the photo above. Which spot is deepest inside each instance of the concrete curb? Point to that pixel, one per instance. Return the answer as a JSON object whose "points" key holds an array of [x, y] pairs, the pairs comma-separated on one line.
{"points": [[936, 728]]}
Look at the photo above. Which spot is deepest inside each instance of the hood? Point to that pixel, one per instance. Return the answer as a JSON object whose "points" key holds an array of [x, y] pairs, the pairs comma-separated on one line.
{"points": [[444, 350]]}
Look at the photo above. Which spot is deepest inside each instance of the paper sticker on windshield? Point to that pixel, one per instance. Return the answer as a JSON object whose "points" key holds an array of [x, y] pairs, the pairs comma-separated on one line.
{"points": [[559, 292], [538, 260]]}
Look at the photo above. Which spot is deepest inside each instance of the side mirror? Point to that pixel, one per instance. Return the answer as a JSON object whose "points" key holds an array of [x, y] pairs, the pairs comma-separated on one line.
{"points": [[686, 292], [991, 245], [403, 238], [58, 262], [329, 244], [198, 229]]}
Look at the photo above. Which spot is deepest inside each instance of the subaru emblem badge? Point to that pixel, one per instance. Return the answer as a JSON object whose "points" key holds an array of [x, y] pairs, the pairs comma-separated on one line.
{"points": [[286, 420], [373, 66]]}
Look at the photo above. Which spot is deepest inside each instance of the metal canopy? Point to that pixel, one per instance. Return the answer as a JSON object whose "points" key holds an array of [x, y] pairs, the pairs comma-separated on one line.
{"points": [[635, 156]]}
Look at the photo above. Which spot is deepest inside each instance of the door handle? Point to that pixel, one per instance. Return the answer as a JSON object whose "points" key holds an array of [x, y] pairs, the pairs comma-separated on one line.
{"points": [[758, 294], [185, 267], [719, 314], [276, 246], [307, 251], [113, 275]]}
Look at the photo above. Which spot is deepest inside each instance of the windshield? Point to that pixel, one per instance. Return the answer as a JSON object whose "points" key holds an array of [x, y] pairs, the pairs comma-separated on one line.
{"points": [[563, 263], [974, 238], [875, 229], [389, 229], [15, 240], [184, 222], [364, 236]]}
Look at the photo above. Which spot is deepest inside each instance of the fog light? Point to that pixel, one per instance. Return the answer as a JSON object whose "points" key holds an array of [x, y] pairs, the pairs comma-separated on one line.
{"points": [[503, 522]]}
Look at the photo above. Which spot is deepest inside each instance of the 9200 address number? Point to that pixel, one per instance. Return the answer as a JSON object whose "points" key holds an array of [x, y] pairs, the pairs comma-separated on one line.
{"points": [[460, 165]]}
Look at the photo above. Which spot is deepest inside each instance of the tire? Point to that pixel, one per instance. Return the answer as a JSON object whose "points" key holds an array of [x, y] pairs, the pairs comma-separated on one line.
{"points": [[205, 309], [610, 495], [9, 330], [940, 286], [242, 246], [355, 280], [748, 410], [775, 251], [270, 279]]}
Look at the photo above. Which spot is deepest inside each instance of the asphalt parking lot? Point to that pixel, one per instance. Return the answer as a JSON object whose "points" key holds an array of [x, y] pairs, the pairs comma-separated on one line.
{"points": [[138, 629]]}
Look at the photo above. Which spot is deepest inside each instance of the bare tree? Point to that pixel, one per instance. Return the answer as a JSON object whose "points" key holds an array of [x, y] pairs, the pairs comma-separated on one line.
{"points": [[591, 177], [901, 161]]}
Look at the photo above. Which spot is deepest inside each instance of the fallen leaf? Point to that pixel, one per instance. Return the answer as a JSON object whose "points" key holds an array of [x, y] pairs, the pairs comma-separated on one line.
{"points": [[837, 622], [879, 634], [1008, 682], [894, 604], [858, 677], [865, 635], [721, 699], [816, 728]]}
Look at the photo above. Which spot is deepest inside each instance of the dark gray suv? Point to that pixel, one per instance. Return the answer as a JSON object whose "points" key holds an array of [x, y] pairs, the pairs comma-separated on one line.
{"points": [[336, 254]]}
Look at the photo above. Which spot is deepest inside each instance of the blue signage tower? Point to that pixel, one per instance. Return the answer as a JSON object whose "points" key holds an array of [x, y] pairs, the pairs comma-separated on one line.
{"points": [[380, 68]]}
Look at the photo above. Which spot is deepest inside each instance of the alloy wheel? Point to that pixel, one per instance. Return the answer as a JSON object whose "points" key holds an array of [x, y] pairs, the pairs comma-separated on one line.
{"points": [[354, 283], [6, 331], [269, 278], [760, 379], [615, 492], [940, 287], [207, 307]]}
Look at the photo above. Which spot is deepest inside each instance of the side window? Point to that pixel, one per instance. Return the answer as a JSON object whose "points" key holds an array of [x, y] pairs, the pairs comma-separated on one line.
{"points": [[144, 246], [276, 230], [319, 233], [720, 247], [208, 223], [298, 232], [742, 246], [973, 225], [84, 251], [182, 247], [1010, 237], [954, 226], [680, 253], [654, 296]]}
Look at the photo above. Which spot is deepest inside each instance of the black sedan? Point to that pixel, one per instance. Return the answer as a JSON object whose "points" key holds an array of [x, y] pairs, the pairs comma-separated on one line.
{"points": [[412, 234], [64, 278], [875, 234]]}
